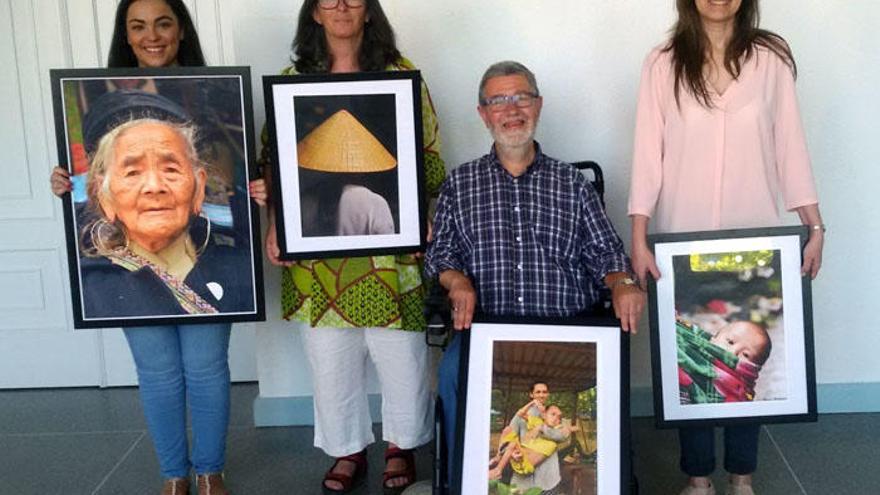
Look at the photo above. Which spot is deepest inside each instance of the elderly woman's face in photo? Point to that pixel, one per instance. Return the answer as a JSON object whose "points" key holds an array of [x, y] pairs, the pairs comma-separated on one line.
{"points": [[152, 184]]}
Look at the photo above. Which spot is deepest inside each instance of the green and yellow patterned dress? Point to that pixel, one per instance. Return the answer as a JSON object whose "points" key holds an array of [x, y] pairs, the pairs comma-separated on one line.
{"points": [[375, 291]]}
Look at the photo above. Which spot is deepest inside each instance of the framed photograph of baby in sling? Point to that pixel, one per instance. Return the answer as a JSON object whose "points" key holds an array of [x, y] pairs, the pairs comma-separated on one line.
{"points": [[347, 163], [160, 224], [732, 328], [545, 407]]}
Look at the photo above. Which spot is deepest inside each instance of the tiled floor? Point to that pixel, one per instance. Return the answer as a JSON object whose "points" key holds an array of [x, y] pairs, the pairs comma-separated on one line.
{"points": [[91, 441]]}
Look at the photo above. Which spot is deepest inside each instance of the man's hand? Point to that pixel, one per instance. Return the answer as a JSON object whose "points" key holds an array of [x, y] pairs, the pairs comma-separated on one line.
{"points": [[462, 297], [628, 301]]}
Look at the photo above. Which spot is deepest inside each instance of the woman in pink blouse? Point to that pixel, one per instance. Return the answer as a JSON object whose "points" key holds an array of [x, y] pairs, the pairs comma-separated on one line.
{"points": [[718, 141]]}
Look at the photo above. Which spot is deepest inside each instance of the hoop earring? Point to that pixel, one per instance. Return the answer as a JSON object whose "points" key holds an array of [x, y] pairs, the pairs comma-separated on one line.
{"points": [[204, 245], [98, 237]]}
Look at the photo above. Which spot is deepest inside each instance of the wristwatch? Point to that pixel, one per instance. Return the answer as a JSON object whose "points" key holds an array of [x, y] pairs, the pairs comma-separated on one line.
{"points": [[623, 281]]}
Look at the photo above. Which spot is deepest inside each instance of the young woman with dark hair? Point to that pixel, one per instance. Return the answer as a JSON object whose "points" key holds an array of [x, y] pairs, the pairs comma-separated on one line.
{"points": [[127, 46], [177, 365], [718, 140]]}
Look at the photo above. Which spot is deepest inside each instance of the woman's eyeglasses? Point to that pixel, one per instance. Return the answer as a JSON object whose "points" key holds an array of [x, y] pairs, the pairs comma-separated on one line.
{"points": [[520, 100], [332, 4]]}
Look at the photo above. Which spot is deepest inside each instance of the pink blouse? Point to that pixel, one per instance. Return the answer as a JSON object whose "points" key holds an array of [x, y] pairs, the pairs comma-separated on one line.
{"points": [[705, 169]]}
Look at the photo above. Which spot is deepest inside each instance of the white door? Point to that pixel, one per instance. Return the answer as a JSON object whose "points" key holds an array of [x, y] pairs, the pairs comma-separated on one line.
{"points": [[38, 345]]}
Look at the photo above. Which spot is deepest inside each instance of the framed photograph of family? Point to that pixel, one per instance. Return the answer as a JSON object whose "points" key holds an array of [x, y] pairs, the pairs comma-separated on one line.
{"points": [[160, 225], [732, 328], [545, 407], [348, 163]]}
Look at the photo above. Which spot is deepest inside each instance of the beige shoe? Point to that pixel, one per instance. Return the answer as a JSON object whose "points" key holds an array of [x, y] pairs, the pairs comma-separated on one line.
{"points": [[739, 490], [698, 490], [176, 486], [211, 484]]}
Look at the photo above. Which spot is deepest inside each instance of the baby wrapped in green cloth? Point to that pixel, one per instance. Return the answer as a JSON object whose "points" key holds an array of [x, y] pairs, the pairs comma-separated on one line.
{"points": [[723, 367]]}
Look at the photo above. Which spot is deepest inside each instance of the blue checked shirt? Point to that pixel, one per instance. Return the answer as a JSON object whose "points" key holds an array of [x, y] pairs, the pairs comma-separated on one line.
{"points": [[539, 244]]}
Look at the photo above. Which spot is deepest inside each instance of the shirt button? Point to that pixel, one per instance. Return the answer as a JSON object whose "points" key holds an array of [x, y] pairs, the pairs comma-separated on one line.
{"points": [[516, 208], [520, 299], [518, 239], [519, 266]]}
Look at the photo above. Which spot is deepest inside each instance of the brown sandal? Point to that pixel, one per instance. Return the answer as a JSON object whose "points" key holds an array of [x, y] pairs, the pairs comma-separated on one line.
{"points": [[348, 482], [409, 472]]}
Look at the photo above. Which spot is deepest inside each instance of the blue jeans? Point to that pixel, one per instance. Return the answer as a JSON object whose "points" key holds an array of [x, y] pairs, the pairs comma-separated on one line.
{"points": [[449, 392], [176, 365], [698, 450]]}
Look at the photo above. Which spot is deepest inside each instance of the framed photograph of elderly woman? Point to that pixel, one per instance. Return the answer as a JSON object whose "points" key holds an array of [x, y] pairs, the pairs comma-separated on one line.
{"points": [[160, 225], [546, 407], [347, 172], [732, 328]]}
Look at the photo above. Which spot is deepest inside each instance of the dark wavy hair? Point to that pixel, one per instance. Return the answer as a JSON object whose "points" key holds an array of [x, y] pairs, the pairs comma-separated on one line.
{"points": [[689, 46], [189, 54], [310, 53]]}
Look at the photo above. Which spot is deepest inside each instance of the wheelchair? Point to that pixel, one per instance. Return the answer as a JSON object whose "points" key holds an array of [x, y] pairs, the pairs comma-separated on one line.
{"points": [[439, 317]]}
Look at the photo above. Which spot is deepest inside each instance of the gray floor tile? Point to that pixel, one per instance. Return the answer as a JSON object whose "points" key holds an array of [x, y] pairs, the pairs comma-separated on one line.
{"points": [[72, 441], [116, 409], [241, 399], [137, 473], [656, 456], [839, 455], [264, 461], [28, 411], [274, 461], [60, 463]]}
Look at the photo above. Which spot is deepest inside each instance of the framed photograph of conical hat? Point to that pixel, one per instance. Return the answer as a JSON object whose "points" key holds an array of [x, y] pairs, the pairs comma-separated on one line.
{"points": [[348, 164]]}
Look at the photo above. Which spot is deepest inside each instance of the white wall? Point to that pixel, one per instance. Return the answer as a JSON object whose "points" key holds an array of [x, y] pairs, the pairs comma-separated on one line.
{"points": [[587, 55]]}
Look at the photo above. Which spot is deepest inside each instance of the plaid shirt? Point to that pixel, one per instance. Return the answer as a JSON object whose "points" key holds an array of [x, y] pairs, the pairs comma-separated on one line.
{"points": [[539, 244]]}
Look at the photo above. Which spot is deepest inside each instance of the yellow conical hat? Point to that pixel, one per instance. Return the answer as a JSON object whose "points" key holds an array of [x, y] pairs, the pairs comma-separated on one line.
{"points": [[341, 144]]}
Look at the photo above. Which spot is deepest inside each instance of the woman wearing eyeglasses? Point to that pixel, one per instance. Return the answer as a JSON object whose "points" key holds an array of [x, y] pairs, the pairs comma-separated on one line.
{"points": [[353, 310], [718, 140]]}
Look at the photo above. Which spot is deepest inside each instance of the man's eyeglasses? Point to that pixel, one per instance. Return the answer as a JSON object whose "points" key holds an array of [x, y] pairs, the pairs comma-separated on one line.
{"points": [[332, 4], [520, 100]]}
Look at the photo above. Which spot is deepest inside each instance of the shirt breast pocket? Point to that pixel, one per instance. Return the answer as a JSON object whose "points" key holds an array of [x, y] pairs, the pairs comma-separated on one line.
{"points": [[555, 232]]}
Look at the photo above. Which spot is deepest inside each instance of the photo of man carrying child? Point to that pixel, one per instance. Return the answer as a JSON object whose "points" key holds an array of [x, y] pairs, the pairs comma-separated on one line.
{"points": [[543, 418]]}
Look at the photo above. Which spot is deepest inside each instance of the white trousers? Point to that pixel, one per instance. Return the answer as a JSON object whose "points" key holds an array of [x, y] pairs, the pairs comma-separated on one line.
{"points": [[338, 359]]}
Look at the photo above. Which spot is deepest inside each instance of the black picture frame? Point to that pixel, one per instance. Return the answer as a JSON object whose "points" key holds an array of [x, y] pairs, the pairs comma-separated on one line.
{"points": [[227, 271], [488, 343], [366, 150], [732, 308]]}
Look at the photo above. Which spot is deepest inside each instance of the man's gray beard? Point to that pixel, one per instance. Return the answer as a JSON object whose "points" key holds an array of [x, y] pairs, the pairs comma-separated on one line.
{"points": [[510, 140]]}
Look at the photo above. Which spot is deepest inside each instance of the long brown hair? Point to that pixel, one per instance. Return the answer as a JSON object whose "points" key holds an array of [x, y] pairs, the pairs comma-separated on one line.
{"points": [[689, 46], [189, 53], [311, 54]]}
